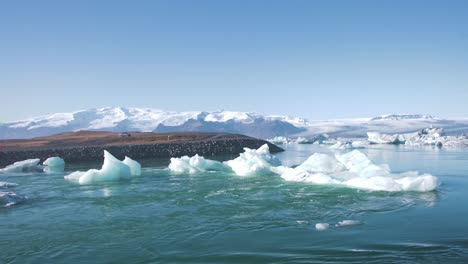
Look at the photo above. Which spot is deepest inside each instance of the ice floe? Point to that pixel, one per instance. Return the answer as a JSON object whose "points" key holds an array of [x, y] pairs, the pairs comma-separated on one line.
{"points": [[195, 164], [352, 169], [254, 162], [280, 140], [22, 166], [322, 226], [135, 167], [347, 145], [426, 136], [54, 165], [112, 170], [10, 198], [250, 162], [355, 170], [347, 223]]}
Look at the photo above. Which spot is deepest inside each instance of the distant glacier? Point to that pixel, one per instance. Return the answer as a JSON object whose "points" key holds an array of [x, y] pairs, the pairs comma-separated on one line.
{"points": [[121, 119]]}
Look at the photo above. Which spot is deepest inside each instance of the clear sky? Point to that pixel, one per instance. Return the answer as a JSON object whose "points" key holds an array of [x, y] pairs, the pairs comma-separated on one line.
{"points": [[314, 59]]}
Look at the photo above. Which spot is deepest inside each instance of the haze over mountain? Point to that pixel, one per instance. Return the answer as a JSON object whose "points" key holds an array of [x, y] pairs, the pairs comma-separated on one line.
{"points": [[122, 119]]}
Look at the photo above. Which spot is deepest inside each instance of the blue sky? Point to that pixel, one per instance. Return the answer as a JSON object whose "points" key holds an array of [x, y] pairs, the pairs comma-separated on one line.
{"points": [[314, 59]]}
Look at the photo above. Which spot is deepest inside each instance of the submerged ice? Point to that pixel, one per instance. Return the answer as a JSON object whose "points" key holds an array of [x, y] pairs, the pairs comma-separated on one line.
{"points": [[352, 169], [112, 170], [10, 198]]}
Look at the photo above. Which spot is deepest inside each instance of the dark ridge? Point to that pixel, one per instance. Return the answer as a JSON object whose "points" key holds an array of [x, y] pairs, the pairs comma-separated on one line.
{"points": [[89, 145]]}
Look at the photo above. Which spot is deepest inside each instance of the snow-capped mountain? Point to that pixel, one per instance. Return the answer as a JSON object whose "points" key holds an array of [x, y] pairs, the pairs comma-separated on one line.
{"points": [[121, 119]]}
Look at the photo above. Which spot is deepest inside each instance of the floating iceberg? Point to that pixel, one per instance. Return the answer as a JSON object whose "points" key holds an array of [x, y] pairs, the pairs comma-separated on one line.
{"points": [[426, 136], [251, 162], [22, 166], [379, 138], [54, 165], [135, 167], [112, 170], [10, 198], [355, 170], [254, 162], [352, 169], [347, 145], [322, 226], [279, 140], [195, 164], [347, 223], [303, 140]]}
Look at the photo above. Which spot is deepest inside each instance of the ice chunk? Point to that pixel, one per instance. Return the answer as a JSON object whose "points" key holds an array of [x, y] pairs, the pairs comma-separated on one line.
{"points": [[135, 167], [10, 198], [251, 162], [322, 226], [279, 140], [22, 166], [195, 164], [355, 170], [379, 138], [347, 145], [7, 184], [54, 165], [254, 162], [347, 223], [303, 140], [112, 170]]}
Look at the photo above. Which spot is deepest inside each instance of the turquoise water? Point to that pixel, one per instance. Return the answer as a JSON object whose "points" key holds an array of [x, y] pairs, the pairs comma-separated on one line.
{"points": [[222, 218]]}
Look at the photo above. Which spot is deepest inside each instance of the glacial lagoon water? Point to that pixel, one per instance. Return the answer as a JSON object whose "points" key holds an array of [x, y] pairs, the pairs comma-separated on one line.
{"points": [[218, 217]]}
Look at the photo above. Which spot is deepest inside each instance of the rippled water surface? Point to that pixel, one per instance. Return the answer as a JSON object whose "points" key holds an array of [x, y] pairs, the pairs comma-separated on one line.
{"points": [[222, 218]]}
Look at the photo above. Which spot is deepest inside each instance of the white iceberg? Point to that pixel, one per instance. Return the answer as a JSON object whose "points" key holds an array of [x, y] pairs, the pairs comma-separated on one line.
{"points": [[254, 162], [195, 164], [251, 162], [279, 140], [54, 165], [355, 170], [135, 167], [347, 223], [322, 226], [303, 140], [342, 145], [112, 170], [22, 166], [379, 138], [427, 136]]}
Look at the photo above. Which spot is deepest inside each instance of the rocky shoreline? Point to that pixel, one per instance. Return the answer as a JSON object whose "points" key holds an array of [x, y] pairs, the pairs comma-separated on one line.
{"points": [[89, 146]]}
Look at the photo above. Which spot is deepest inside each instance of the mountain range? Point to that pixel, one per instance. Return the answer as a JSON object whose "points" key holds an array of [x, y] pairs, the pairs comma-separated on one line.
{"points": [[121, 119]]}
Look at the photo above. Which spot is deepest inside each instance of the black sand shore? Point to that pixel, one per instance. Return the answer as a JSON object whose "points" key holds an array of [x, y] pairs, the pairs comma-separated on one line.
{"points": [[89, 145]]}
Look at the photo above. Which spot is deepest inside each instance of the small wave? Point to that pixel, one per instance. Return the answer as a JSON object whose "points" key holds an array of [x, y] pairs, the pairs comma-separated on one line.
{"points": [[7, 184]]}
